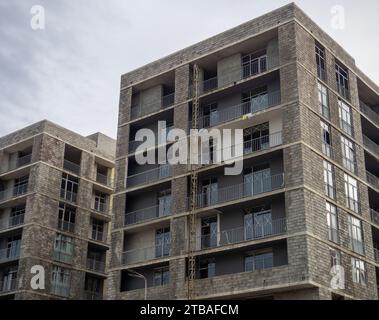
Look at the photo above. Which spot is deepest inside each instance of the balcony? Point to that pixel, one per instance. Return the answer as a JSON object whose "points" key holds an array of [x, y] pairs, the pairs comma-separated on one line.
{"points": [[240, 191], [9, 254], [146, 253], [242, 234], [150, 176], [146, 214], [103, 179], [139, 111], [66, 226], [100, 207], [11, 222], [13, 192], [91, 295], [255, 105], [369, 113], [97, 235], [371, 145], [260, 65], [95, 265], [20, 162], [71, 166], [8, 285], [374, 216], [62, 257], [69, 195], [372, 180]]}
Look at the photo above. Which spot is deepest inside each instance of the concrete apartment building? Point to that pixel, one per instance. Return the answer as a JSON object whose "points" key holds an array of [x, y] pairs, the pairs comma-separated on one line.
{"points": [[55, 212], [308, 196]]}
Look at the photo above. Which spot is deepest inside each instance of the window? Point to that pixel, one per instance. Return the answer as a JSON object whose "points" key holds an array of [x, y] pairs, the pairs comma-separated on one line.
{"points": [[320, 61], [207, 268], [329, 180], [60, 281], [344, 112], [355, 234], [162, 242], [254, 63], [209, 192], [259, 260], [351, 193], [63, 247], [97, 229], [161, 276], [12, 249], [17, 216], [256, 100], [8, 279], [66, 217], [69, 187], [335, 258], [258, 223], [332, 221], [209, 232], [323, 99], [342, 77], [100, 201], [20, 186], [348, 154], [256, 138], [210, 115], [359, 271], [164, 203], [326, 138]]}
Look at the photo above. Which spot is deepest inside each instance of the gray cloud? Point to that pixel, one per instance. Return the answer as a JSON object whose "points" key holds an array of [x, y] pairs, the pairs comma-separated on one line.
{"points": [[70, 72]]}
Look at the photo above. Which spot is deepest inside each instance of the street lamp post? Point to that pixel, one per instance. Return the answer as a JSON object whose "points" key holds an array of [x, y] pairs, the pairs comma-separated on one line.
{"points": [[136, 274]]}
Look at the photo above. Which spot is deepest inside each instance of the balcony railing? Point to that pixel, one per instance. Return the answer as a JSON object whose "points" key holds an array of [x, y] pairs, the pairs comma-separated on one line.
{"points": [[240, 191], [374, 216], [20, 162], [242, 234], [149, 176], [95, 265], [11, 253], [257, 104], [371, 145], [60, 289], [146, 214], [71, 166], [69, 195], [8, 285], [11, 222], [100, 207], [234, 74], [147, 253], [91, 295], [140, 111], [103, 179], [369, 112], [372, 179], [62, 256], [97, 235], [66, 226], [13, 192]]}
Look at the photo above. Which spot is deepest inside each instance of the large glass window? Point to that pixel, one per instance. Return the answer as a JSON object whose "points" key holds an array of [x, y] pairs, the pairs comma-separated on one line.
{"points": [[97, 230], [323, 100], [320, 61], [335, 258], [20, 186], [351, 193], [60, 281], [66, 217], [207, 268], [348, 154], [359, 271], [100, 201], [63, 248], [355, 234], [162, 242], [209, 232], [326, 138], [161, 276], [69, 187], [332, 221], [259, 260], [342, 77], [17, 215], [329, 180], [345, 117]]}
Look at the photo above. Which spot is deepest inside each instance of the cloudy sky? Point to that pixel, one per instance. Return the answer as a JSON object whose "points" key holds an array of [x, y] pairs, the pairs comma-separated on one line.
{"points": [[70, 72]]}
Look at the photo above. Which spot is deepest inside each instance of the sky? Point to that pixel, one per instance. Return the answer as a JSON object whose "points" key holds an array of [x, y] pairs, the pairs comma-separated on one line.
{"points": [[69, 72]]}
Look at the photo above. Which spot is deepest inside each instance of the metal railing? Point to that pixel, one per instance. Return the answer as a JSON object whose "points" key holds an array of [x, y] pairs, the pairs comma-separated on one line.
{"points": [[97, 235], [234, 74], [95, 265], [257, 104], [103, 179], [71, 166], [242, 234], [374, 216], [140, 111], [11, 253], [372, 179], [146, 214], [240, 191], [369, 112], [100, 206], [66, 226], [11, 222], [62, 256], [8, 285], [371, 145], [92, 295], [68, 195], [60, 289], [24, 160], [146, 253], [13, 192], [149, 176]]}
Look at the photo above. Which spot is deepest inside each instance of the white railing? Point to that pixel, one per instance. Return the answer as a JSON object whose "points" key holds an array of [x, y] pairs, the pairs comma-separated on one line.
{"points": [[371, 145], [240, 191], [257, 104], [242, 234], [369, 112], [11, 253], [149, 176], [95, 265], [8, 285], [13, 192], [11, 222], [71, 166], [374, 216], [140, 111], [146, 214], [146, 253], [234, 74], [372, 179]]}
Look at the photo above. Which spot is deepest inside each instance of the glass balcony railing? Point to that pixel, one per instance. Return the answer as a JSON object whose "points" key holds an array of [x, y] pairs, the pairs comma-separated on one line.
{"points": [[11, 222], [372, 179], [147, 214], [371, 145], [374, 216], [14, 192], [71, 166], [11, 253], [369, 112], [146, 253], [103, 179], [150, 176], [95, 265]]}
